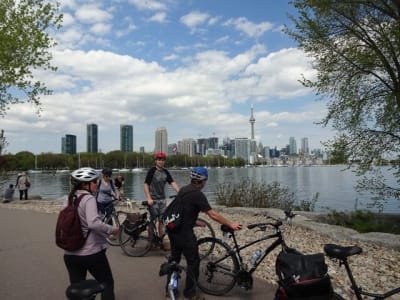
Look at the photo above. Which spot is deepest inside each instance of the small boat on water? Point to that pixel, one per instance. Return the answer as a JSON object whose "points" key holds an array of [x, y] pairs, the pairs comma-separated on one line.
{"points": [[137, 170]]}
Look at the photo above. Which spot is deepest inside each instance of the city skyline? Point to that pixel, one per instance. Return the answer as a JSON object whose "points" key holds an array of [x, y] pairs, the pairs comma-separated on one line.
{"points": [[193, 67]]}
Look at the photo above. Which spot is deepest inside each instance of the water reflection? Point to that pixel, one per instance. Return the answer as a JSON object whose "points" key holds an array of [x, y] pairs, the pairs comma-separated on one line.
{"points": [[335, 187]]}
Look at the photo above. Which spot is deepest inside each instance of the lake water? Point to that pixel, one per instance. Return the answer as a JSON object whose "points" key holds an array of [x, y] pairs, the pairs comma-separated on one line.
{"points": [[335, 187]]}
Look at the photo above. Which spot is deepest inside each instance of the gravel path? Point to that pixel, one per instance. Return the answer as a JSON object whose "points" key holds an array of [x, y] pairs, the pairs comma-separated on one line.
{"points": [[377, 269]]}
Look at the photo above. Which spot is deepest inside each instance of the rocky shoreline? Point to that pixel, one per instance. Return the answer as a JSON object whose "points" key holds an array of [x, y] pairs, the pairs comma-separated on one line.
{"points": [[376, 269]]}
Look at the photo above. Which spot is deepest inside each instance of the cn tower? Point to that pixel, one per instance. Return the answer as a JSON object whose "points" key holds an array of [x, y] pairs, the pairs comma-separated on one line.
{"points": [[252, 121]]}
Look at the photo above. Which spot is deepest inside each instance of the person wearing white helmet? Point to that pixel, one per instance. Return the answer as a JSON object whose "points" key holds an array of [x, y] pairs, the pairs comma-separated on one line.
{"points": [[184, 240], [92, 256]]}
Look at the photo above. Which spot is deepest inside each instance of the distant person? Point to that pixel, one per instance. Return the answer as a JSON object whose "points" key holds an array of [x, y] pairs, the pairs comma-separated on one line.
{"points": [[106, 191], [23, 185], [9, 194], [154, 188], [184, 240], [119, 184], [92, 256]]}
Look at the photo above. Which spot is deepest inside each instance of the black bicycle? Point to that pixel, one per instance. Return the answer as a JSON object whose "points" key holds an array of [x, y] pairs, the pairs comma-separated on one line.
{"points": [[115, 218], [341, 253], [144, 236], [222, 266]]}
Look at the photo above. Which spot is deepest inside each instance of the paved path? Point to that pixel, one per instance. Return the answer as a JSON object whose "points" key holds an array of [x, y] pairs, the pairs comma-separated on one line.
{"points": [[32, 267]]}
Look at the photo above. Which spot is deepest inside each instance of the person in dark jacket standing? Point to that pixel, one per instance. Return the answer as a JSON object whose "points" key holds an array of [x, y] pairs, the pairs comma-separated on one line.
{"points": [[184, 241], [154, 188]]}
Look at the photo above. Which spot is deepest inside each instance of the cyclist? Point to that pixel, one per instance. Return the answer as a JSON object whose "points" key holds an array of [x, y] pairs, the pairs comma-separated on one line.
{"points": [[92, 256], [106, 192], [184, 240], [154, 188]]}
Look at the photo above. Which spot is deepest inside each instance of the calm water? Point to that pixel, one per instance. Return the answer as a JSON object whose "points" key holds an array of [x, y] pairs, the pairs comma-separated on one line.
{"points": [[335, 187]]}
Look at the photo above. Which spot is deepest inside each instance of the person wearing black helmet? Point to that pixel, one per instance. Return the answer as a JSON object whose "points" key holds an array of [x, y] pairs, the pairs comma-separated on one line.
{"points": [[184, 240], [106, 191], [92, 256], [154, 188]]}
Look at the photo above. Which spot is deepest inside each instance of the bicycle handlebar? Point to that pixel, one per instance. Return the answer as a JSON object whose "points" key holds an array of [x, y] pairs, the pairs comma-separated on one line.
{"points": [[263, 226]]}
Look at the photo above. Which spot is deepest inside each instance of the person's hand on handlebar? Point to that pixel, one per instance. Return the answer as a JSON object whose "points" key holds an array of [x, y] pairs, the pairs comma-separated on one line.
{"points": [[235, 225], [150, 202]]}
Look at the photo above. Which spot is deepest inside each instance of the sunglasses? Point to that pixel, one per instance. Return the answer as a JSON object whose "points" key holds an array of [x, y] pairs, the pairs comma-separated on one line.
{"points": [[161, 159]]}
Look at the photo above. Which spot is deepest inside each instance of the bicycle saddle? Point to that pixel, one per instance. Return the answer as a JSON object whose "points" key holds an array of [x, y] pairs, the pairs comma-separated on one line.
{"points": [[83, 289], [341, 252]]}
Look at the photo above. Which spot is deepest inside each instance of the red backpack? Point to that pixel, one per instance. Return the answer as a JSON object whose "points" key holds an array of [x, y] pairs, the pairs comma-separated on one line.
{"points": [[69, 235]]}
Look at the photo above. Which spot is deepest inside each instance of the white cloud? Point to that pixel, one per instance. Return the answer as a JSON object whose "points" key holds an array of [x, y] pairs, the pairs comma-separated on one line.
{"points": [[159, 17], [91, 13], [148, 4], [249, 28], [100, 28], [194, 19]]}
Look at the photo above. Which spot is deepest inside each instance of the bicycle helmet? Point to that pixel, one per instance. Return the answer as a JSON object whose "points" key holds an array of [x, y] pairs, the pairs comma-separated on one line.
{"points": [[107, 172], [199, 173], [161, 155], [84, 175]]}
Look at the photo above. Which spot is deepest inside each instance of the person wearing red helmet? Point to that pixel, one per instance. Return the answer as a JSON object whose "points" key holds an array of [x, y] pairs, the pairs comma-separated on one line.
{"points": [[154, 188]]}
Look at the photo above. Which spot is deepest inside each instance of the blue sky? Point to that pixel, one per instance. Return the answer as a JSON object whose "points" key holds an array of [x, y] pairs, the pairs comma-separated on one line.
{"points": [[194, 67]]}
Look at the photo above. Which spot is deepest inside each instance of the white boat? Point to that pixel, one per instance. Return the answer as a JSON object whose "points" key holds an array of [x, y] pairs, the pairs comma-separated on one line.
{"points": [[124, 170], [137, 170]]}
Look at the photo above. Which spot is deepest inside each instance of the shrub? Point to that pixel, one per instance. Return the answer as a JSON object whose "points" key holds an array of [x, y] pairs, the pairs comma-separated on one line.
{"points": [[260, 194]]}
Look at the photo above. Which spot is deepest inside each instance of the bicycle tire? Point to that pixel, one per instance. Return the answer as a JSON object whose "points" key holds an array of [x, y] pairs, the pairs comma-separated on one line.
{"points": [[337, 297], [137, 246], [218, 267], [203, 231], [116, 220]]}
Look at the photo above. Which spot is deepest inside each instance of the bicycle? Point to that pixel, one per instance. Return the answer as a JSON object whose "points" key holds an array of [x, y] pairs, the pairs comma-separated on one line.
{"points": [[140, 244], [341, 253], [115, 218], [84, 290], [222, 266]]}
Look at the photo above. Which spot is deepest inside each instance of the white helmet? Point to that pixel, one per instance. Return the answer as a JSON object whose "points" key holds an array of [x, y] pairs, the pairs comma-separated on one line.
{"points": [[84, 175]]}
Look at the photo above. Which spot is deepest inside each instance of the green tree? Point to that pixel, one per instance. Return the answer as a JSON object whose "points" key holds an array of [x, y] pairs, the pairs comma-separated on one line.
{"points": [[339, 153], [24, 47], [355, 48]]}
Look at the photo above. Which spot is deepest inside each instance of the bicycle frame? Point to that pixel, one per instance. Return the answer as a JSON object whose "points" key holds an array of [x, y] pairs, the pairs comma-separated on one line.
{"points": [[279, 241], [341, 254]]}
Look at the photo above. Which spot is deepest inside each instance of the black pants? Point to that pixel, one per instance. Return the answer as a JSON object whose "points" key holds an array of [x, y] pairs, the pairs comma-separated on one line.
{"points": [[185, 242], [97, 265], [23, 194]]}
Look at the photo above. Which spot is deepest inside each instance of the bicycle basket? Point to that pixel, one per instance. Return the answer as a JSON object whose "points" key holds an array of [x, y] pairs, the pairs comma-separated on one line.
{"points": [[135, 223]]}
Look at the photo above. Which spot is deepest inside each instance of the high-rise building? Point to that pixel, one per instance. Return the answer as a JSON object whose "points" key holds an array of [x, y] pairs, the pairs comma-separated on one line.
{"points": [[242, 148], [188, 147], [92, 138], [161, 140], [292, 145], [304, 146], [252, 121], [126, 138], [68, 144]]}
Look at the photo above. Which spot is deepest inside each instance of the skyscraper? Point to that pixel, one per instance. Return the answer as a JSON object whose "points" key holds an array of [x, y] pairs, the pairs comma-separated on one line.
{"points": [[68, 144], [126, 138], [161, 140], [92, 138], [304, 146], [242, 148], [292, 145], [252, 121]]}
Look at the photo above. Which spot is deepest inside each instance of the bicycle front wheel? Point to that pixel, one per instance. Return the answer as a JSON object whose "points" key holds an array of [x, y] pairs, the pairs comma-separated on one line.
{"points": [[218, 267], [203, 229], [135, 246], [116, 220]]}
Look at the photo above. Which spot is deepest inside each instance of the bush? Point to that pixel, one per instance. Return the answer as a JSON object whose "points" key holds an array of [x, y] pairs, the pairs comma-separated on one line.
{"points": [[260, 194]]}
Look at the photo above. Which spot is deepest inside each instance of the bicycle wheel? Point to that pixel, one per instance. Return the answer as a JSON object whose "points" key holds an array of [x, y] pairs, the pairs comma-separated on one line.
{"points": [[203, 229], [135, 246], [337, 297], [116, 220], [218, 267]]}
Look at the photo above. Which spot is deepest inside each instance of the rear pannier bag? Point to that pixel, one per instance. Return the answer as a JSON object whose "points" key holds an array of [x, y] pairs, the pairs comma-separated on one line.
{"points": [[135, 223], [302, 277]]}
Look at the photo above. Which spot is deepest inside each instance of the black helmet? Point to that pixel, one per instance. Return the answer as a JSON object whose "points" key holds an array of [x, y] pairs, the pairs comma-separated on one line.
{"points": [[107, 171]]}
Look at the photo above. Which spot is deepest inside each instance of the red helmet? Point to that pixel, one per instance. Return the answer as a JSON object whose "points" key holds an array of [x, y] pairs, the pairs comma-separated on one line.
{"points": [[160, 155]]}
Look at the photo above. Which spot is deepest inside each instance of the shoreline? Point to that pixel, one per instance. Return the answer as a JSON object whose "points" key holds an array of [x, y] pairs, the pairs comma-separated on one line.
{"points": [[376, 269]]}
